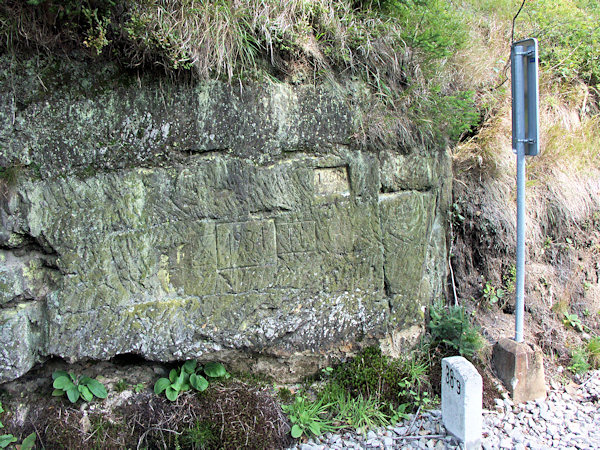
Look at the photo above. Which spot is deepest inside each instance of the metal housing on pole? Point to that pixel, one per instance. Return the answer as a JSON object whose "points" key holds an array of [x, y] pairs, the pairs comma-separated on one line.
{"points": [[525, 141]]}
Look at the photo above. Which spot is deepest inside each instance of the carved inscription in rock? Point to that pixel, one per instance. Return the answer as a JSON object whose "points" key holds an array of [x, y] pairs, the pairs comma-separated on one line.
{"points": [[244, 244], [296, 237], [246, 255], [192, 259], [331, 180]]}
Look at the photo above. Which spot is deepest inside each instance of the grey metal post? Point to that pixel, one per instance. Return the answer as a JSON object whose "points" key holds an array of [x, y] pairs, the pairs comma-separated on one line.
{"points": [[519, 133]]}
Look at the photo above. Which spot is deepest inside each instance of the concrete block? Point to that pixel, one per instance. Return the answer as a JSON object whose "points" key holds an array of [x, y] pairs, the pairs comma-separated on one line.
{"points": [[520, 366], [462, 389]]}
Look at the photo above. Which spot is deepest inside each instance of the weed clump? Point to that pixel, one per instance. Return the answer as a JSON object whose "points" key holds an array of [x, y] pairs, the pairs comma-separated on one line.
{"points": [[367, 391], [392, 382]]}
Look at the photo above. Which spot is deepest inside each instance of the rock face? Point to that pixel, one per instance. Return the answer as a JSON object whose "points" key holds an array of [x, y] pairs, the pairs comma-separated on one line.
{"points": [[213, 221]]}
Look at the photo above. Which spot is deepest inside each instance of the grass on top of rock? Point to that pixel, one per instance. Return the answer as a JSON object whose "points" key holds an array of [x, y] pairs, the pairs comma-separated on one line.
{"points": [[402, 49]]}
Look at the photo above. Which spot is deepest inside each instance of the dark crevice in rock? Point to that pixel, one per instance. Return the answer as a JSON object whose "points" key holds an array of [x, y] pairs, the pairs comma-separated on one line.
{"points": [[421, 189], [125, 359], [19, 300], [205, 153], [30, 245], [387, 290]]}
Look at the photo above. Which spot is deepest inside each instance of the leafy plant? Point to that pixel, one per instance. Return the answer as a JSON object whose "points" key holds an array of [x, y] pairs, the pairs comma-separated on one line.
{"points": [[399, 413], [456, 214], [85, 387], [493, 295], [327, 371], [411, 389], [510, 279], [450, 327], [189, 376], [573, 321], [7, 439], [29, 442], [308, 417]]}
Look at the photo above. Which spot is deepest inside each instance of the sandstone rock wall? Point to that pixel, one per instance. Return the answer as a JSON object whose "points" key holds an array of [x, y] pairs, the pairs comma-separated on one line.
{"points": [[173, 221]]}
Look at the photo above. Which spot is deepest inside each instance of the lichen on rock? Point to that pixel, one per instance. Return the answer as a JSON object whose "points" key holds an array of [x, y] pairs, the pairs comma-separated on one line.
{"points": [[177, 222]]}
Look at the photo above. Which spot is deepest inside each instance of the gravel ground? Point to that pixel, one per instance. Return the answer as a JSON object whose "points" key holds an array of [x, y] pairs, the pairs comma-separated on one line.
{"points": [[569, 418]]}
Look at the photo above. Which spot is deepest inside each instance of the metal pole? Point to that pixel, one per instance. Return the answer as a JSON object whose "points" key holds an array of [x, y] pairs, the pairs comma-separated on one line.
{"points": [[519, 124], [520, 282]]}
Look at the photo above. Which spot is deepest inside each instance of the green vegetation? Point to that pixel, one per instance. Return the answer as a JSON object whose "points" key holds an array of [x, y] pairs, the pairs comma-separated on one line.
{"points": [[579, 361], [8, 439], [401, 48], [367, 391], [308, 417], [493, 295], [573, 321], [189, 376], [5, 439], [373, 389], [85, 387], [121, 385], [202, 435], [570, 33], [586, 357], [392, 382], [451, 329], [220, 37], [593, 351]]}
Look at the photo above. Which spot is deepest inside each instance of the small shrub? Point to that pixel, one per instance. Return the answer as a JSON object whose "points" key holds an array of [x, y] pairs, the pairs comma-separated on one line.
{"points": [[450, 328], [579, 361], [493, 295], [569, 36]]}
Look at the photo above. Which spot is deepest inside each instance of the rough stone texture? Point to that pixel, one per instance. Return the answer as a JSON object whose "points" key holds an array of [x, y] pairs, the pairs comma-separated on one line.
{"points": [[521, 369], [177, 221]]}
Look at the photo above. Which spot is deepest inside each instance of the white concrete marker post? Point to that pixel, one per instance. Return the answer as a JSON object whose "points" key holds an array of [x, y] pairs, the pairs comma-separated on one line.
{"points": [[462, 390]]}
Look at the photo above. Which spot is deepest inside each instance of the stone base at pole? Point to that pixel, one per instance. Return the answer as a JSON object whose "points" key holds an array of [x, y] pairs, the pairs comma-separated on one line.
{"points": [[521, 369]]}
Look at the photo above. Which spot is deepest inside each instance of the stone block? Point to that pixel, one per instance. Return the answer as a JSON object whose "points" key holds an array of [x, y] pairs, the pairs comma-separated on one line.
{"points": [[521, 369], [462, 390], [179, 222]]}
